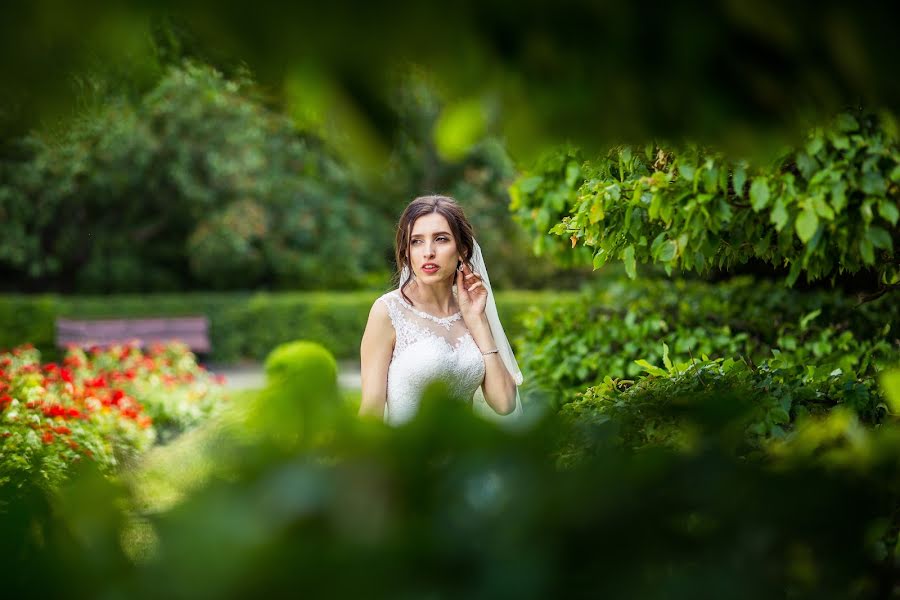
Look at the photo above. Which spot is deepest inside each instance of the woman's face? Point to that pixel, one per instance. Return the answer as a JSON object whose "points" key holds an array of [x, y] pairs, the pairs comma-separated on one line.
{"points": [[432, 249]]}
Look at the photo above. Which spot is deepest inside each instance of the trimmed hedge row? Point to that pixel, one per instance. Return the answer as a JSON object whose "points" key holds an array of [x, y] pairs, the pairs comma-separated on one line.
{"points": [[243, 326]]}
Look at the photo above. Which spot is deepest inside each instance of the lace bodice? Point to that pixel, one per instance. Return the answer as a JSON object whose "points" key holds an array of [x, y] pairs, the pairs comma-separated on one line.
{"points": [[427, 348]]}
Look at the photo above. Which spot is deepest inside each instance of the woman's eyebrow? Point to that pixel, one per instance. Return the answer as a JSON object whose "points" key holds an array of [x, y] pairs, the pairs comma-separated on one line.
{"points": [[417, 235]]}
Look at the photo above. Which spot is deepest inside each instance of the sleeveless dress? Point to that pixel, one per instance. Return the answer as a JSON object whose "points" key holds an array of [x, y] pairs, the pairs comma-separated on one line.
{"points": [[427, 348]]}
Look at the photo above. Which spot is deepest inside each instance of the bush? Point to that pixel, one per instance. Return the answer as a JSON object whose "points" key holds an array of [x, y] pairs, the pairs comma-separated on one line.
{"points": [[301, 390], [568, 348]]}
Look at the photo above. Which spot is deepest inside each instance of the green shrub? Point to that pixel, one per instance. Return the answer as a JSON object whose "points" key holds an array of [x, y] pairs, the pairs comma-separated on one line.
{"points": [[301, 392], [567, 348]]}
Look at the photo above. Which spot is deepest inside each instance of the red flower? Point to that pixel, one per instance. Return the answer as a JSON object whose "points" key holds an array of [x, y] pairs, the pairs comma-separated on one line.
{"points": [[47, 437], [72, 360], [98, 382], [50, 367], [62, 429], [66, 375], [73, 413], [55, 410]]}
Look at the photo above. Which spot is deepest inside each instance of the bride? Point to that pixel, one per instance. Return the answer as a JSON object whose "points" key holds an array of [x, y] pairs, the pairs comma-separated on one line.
{"points": [[440, 323]]}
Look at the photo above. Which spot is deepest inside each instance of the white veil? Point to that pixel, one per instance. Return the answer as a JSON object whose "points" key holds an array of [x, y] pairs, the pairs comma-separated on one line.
{"points": [[506, 354], [480, 405]]}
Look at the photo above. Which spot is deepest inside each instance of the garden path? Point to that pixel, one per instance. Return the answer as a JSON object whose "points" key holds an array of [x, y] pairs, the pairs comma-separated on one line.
{"points": [[252, 375]]}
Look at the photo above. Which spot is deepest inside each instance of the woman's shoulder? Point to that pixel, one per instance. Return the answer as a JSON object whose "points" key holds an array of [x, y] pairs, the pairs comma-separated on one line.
{"points": [[385, 305], [388, 297]]}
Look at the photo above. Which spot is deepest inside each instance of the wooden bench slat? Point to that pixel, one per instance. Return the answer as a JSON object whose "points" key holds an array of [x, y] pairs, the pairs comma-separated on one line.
{"points": [[191, 331]]}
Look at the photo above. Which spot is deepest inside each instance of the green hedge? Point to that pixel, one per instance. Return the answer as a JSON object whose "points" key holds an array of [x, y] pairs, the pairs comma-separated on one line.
{"points": [[242, 326]]}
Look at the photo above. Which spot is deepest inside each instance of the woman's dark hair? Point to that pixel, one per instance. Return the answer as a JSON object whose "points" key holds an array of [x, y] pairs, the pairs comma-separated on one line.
{"points": [[425, 205]]}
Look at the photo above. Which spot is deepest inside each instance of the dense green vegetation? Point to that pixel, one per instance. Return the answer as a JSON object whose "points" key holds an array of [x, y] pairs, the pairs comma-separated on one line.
{"points": [[826, 209], [604, 332]]}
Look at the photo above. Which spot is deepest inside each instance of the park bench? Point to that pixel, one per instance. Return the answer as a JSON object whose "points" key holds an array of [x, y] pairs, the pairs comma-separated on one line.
{"points": [[191, 331]]}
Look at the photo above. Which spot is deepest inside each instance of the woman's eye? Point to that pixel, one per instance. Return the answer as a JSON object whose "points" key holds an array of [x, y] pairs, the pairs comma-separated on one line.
{"points": [[443, 238]]}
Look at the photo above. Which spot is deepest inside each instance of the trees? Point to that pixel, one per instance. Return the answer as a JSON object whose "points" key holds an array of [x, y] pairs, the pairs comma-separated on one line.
{"points": [[197, 184], [827, 208]]}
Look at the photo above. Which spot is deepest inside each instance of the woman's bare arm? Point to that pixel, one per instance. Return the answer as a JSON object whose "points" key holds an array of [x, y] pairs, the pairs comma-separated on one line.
{"points": [[498, 386], [375, 357]]}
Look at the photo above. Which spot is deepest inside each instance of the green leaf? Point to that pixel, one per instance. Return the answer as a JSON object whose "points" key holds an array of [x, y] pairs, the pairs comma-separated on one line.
{"points": [[596, 213], [873, 183], [738, 180], [667, 251], [815, 144], [779, 415], [806, 224], [867, 251], [794, 273], [779, 215], [687, 171], [459, 127], [847, 122], [809, 317], [599, 259], [890, 385], [841, 142], [665, 357], [888, 211], [651, 369], [880, 238], [838, 196], [529, 184], [759, 194], [630, 266], [822, 208]]}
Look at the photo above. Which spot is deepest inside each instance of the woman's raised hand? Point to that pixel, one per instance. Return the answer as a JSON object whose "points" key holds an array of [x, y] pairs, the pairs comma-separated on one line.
{"points": [[470, 293]]}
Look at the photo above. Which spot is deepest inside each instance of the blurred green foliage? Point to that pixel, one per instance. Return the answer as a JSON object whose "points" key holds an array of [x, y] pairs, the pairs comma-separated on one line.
{"points": [[592, 72], [357, 508], [197, 185]]}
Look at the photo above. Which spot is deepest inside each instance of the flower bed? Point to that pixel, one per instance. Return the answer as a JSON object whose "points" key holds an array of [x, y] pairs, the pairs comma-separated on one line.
{"points": [[107, 406]]}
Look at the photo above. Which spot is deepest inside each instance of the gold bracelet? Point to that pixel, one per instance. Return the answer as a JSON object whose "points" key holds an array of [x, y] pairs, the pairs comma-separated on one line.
{"points": [[490, 352]]}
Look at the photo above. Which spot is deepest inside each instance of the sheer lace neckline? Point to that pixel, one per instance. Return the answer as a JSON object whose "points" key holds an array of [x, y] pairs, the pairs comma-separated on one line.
{"points": [[441, 320]]}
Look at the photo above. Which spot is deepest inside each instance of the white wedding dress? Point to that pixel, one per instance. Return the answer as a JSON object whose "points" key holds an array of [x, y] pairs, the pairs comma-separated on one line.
{"points": [[428, 348]]}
